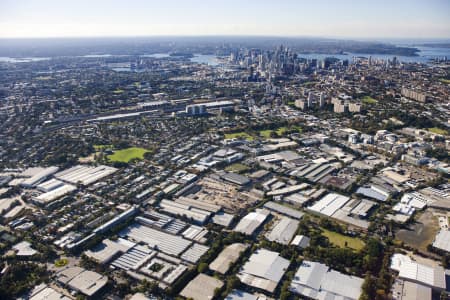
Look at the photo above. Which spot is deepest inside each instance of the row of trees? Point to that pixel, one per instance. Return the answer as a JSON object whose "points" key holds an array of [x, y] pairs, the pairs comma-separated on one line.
{"points": [[20, 277], [371, 262]]}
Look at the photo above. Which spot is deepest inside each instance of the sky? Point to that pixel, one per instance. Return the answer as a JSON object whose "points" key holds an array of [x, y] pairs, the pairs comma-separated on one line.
{"points": [[318, 18]]}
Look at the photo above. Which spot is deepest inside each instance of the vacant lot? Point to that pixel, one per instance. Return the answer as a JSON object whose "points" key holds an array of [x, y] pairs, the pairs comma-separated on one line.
{"points": [[125, 155], [421, 233], [237, 168], [343, 241]]}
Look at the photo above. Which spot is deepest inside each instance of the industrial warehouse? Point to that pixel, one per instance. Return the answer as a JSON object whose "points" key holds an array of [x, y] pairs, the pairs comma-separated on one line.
{"points": [[224, 168]]}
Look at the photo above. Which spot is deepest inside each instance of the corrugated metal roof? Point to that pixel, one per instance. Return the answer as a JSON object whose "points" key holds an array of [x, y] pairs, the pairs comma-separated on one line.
{"points": [[283, 231], [329, 204], [266, 264], [442, 240], [410, 270], [317, 281], [282, 209], [251, 222]]}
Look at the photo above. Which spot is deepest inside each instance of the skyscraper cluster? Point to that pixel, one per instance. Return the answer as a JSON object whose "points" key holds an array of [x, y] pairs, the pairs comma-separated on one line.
{"points": [[267, 65]]}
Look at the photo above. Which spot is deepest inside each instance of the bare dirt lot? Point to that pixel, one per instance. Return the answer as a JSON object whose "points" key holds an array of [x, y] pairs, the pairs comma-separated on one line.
{"points": [[229, 196], [421, 233]]}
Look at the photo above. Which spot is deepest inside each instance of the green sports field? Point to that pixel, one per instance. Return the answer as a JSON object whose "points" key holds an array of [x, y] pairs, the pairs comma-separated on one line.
{"points": [[369, 100], [125, 155]]}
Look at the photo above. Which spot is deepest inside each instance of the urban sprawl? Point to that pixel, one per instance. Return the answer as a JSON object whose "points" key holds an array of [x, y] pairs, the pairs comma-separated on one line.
{"points": [[247, 174]]}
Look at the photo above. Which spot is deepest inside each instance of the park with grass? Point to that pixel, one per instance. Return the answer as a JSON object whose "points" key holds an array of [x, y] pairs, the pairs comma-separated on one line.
{"points": [[444, 80], [264, 133], [280, 131], [343, 241], [267, 132], [369, 100], [128, 154], [437, 130], [239, 135]]}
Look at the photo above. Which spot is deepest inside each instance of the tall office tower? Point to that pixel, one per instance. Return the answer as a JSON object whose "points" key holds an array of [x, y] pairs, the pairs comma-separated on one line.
{"points": [[262, 62], [370, 60], [322, 100], [247, 62], [233, 57], [310, 99], [394, 61]]}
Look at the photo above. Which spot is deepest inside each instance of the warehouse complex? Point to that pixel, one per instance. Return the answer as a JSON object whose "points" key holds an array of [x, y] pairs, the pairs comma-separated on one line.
{"points": [[252, 222], [264, 270], [227, 257], [316, 281], [409, 270], [85, 174]]}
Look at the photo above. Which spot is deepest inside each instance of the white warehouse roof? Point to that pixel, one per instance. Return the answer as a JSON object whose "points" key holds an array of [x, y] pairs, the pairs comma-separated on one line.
{"points": [[251, 222], [283, 231], [264, 270], [317, 281], [85, 174], [55, 194], [410, 270], [329, 204], [442, 240]]}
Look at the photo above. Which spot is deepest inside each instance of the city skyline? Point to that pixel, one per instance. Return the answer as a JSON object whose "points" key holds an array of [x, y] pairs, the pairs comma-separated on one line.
{"points": [[225, 150], [343, 19]]}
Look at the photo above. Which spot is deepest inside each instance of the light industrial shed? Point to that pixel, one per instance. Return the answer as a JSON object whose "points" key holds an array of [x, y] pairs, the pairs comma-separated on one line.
{"points": [[264, 270]]}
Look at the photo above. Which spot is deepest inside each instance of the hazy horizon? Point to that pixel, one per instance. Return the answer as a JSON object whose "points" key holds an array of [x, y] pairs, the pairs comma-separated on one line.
{"points": [[345, 19], [402, 40]]}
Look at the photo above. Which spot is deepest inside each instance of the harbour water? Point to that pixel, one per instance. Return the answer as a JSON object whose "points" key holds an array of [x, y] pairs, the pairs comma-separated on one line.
{"points": [[425, 54], [22, 59], [205, 59]]}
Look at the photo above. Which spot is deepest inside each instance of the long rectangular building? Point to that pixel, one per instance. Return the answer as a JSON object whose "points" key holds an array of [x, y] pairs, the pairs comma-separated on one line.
{"points": [[228, 256], [329, 204], [85, 174], [200, 216], [49, 185], [263, 270], [433, 277], [284, 210], [199, 204], [167, 243], [38, 175], [284, 231], [442, 240], [316, 281], [54, 194], [251, 222]]}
